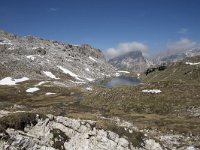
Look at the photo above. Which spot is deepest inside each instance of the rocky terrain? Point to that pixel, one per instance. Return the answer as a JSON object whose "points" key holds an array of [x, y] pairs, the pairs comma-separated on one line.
{"points": [[32, 131], [132, 61], [41, 59]]}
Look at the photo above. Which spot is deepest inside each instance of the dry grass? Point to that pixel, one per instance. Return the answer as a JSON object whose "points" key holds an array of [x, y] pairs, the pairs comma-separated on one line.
{"points": [[165, 111]]}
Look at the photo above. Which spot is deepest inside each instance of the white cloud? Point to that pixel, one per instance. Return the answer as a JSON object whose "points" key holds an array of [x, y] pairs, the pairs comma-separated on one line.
{"points": [[181, 45], [183, 31], [126, 47]]}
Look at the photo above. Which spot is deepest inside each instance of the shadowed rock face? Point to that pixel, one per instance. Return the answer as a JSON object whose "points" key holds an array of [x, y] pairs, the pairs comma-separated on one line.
{"points": [[30, 56], [133, 61]]}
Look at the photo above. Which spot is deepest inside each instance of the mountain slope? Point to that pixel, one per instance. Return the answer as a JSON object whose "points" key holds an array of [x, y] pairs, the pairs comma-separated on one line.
{"points": [[186, 71], [133, 61], [42, 59]]}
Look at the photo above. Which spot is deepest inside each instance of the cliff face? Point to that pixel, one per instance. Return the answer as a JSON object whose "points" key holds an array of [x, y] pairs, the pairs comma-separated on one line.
{"points": [[132, 61], [34, 57]]}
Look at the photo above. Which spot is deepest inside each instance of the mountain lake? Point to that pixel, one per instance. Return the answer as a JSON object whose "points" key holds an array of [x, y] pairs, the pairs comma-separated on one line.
{"points": [[120, 81]]}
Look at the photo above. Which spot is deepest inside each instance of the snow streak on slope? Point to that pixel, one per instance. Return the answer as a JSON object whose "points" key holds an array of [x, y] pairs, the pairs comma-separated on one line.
{"points": [[66, 71], [32, 90], [49, 74], [91, 58], [10, 81]]}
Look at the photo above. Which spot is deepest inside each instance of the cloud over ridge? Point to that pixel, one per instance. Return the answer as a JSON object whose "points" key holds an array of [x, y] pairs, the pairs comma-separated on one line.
{"points": [[126, 47]]}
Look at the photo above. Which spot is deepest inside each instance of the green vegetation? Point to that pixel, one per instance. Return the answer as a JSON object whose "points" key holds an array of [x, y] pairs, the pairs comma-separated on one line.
{"points": [[19, 120]]}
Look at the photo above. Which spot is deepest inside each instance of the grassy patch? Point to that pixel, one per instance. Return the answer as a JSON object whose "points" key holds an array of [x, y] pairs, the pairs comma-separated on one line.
{"points": [[166, 110], [19, 121]]}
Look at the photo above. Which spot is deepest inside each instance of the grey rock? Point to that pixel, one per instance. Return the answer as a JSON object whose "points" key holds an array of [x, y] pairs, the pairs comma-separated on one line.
{"points": [[80, 136], [132, 61], [30, 56]]}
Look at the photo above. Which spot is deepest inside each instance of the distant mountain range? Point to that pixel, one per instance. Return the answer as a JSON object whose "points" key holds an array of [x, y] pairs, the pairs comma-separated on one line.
{"points": [[132, 61], [168, 57], [135, 61]]}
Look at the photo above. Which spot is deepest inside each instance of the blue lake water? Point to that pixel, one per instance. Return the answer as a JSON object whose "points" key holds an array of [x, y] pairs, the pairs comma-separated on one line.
{"points": [[122, 81]]}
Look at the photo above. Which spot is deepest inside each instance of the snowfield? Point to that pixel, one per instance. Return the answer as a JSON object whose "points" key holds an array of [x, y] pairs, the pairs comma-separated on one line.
{"points": [[49, 74], [32, 90], [154, 91], [10, 81]]}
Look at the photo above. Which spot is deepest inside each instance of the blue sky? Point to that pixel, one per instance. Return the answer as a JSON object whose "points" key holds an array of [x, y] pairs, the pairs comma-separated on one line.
{"points": [[152, 25]]}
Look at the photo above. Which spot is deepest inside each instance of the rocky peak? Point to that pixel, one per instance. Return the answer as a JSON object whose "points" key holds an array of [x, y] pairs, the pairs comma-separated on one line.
{"points": [[132, 61]]}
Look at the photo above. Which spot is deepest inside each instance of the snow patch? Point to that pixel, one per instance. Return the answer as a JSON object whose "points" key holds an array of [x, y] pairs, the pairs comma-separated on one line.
{"points": [[91, 58], [40, 83], [66, 71], [87, 69], [11, 48], [31, 90], [190, 148], [10, 81], [49, 93], [121, 71], [117, 74], [89, 88], [49, 74], [6, 42], [30, 57], [192, 64], [78, 82], [35, 48], [89, 79], [156, 91]]}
